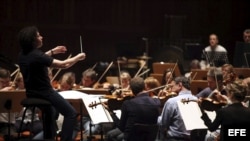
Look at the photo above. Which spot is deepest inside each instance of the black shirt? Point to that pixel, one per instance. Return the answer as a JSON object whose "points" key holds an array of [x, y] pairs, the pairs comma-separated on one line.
{"points": [[34, 68]]}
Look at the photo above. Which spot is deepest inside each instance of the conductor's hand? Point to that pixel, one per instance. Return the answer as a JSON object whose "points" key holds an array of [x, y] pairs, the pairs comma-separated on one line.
{"points": [[59, 49], [81, 56]]}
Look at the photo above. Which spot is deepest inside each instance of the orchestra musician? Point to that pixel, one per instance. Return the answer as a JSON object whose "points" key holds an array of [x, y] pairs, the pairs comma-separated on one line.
{"points": [[151, 83], [124, 89], [125, 80], [172, 127], [168, 76], [215, 91], [233, 116], [214, 81], [67, 81], [5, 121], [214, 54], [140, 109], [34, 67], [89, 78], [228, 73]]}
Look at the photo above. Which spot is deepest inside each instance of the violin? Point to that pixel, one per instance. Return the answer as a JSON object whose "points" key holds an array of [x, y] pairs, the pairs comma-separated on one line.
{"points": [[166, 96], [207, 103], [113, 102]]}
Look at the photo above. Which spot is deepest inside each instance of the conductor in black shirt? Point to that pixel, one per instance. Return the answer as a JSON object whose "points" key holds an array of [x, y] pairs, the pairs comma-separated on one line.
{"points": [[34, 67]]}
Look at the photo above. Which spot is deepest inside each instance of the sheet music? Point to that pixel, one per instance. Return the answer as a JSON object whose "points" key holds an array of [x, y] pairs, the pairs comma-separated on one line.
{"points": [[191, 115], [97, 114]]}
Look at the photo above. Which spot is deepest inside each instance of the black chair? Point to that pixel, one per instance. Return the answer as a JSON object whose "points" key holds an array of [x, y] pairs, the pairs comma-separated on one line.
{"points": [[144, 132], [33, 103]]}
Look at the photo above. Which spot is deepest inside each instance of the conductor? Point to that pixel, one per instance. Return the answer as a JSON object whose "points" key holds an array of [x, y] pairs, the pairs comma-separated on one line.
{"points": [[33, 65]]}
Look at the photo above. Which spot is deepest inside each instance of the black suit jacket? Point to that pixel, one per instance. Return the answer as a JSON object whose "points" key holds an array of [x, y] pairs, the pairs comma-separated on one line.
{"points": [[141, 109], [234, 116]]}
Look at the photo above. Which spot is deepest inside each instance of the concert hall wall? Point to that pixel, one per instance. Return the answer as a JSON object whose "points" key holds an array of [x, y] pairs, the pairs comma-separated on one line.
{"points": [[109, 25]]}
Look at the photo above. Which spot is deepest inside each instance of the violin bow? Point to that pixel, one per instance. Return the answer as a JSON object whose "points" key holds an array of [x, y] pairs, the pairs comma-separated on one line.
{"points": [[216, 80], [59, 70], [173, 70], [81, 43], [147, 70], [119, 71], [105, 71], [144, 63], [215, 76], [13, 73], [93, 67], [16, 76]]}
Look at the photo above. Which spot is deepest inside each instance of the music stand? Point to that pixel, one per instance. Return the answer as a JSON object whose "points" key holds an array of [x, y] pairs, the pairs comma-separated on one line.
{"points": [[217, 58], [239, 58], [189, 119], [85, 100], [10, 103]]}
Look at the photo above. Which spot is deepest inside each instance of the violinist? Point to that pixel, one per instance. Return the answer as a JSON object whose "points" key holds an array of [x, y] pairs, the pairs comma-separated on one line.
{"points": [[67, 81], [233, 116], [124, 88], [89, 78], [151, 83], [141, 109], [215, 82], [228, 73], [171, 123], [5, 85], [168, 76], [5, 80], [215, 91], [125, 80]]}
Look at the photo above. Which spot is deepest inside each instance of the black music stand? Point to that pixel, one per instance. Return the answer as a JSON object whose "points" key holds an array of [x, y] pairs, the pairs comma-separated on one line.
{"points": [[239, 59], [10, 102], [216, 58]]}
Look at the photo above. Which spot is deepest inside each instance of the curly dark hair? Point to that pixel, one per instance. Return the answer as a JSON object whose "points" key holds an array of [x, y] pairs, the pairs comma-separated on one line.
{"points": [[27, 37]]}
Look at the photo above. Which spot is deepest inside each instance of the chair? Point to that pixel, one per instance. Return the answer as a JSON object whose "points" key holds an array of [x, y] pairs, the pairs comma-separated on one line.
{"points": [[144, 132], [242, 72], [198, 74], [157, 76], [159, 68], [32, 103]]}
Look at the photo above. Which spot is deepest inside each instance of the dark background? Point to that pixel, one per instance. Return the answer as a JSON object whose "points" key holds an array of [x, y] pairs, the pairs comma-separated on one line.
{"points": [[175, 29]]}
